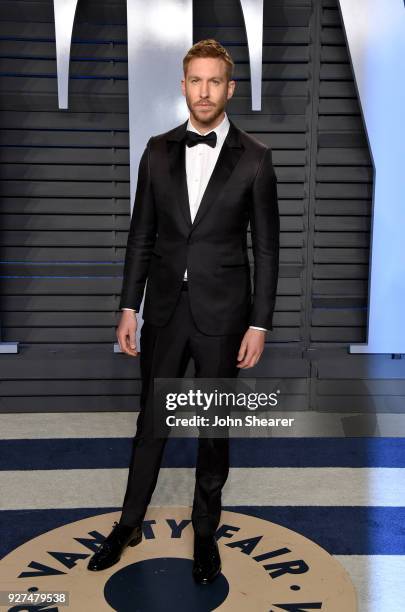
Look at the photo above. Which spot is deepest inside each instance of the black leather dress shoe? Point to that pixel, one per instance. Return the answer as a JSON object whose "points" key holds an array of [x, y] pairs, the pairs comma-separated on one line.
{"points": [[207, 562], [111, 548]]}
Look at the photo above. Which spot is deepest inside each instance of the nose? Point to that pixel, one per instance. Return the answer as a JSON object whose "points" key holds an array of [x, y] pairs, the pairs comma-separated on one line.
{"points": [[204, 89]]}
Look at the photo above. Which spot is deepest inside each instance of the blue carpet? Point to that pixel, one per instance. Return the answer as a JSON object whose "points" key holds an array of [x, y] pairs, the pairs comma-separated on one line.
{"points": [[102, 453], [340, 530]]}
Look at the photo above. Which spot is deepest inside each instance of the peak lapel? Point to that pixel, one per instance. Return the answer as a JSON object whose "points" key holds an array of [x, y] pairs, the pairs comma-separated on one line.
{"points": [[177, 167], [228, 157]]}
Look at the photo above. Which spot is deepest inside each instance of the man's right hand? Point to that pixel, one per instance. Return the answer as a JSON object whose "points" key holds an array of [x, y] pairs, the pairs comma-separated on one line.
{"points": [[126, 331]]}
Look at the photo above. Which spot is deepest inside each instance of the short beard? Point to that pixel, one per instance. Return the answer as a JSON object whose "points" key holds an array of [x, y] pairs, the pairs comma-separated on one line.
{"points": [[206, 120]]}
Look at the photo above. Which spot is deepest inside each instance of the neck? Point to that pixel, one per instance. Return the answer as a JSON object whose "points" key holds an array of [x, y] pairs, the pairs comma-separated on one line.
{"points": [[203, 127]]}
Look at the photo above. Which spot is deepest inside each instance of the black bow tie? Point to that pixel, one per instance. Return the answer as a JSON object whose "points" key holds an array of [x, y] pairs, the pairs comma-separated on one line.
{"points": [[192, 138]]}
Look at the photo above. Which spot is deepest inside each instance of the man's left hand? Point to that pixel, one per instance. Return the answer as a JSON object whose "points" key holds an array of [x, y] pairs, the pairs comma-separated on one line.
{"points": [[251, 348]]}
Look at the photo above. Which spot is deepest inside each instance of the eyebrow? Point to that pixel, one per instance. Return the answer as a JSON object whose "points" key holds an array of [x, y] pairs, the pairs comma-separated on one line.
{"points": [[194, 76]]}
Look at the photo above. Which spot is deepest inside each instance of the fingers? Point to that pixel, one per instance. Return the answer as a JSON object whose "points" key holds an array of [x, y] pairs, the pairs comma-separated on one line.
{"points": [[127, 340], [250, 351], [250, 360], [130, 343], [242, 350]]}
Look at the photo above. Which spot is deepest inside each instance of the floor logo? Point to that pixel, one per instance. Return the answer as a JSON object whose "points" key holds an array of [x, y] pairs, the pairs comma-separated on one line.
{"points": [[265, 568]]}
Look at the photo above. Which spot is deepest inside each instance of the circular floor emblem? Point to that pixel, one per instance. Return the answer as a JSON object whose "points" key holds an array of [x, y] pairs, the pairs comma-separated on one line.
{"points": [[265, 568]]}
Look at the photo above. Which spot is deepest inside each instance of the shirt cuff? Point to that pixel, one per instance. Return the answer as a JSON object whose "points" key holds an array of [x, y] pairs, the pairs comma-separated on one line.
{"points": [[133, 310], [254, 327]]}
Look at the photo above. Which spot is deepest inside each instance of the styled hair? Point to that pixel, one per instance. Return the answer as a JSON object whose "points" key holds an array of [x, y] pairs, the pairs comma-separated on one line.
{"points": [[209, 48]]}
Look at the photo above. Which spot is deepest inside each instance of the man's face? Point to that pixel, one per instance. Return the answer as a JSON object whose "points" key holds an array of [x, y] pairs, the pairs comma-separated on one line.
{"points": [[206, 88]]}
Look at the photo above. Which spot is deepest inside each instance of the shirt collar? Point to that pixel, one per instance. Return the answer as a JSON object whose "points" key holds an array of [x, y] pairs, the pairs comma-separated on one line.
{"points": [[221, 129]]}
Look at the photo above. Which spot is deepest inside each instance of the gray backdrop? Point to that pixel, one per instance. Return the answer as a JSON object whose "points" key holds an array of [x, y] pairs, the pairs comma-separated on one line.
{"points": [[65, 208]]}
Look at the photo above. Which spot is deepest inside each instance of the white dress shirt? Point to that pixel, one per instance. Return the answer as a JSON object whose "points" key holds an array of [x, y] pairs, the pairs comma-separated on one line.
{"points": [[200, 162]]}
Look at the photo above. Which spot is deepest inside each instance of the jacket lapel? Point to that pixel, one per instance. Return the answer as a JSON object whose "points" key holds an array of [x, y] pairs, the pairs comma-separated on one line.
{"points": [[177, 167], [229, 155]]}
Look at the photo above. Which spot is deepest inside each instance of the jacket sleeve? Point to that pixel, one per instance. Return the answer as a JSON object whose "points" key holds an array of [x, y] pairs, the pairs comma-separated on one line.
{"points": [[141, 238], [265, 233]]}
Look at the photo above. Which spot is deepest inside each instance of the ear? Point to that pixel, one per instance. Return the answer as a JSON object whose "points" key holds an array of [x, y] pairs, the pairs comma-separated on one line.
{"points": [[183, 86], [231, 88]]}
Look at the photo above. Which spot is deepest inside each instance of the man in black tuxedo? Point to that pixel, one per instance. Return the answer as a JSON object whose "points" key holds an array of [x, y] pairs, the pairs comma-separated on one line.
{"points": [[199, 185]]}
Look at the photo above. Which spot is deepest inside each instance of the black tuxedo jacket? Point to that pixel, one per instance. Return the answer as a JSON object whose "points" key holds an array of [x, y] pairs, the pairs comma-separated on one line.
{"points": [[163, 242]]}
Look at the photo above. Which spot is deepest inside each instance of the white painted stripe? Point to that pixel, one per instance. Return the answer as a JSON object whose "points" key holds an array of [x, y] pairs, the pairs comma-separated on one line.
{"points": [[245, 486], [378, 579], [123, 425], [67, 425]]}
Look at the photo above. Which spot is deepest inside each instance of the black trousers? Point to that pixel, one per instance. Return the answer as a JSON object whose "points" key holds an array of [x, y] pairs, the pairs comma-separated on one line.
{"points": [[165, 353]]}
